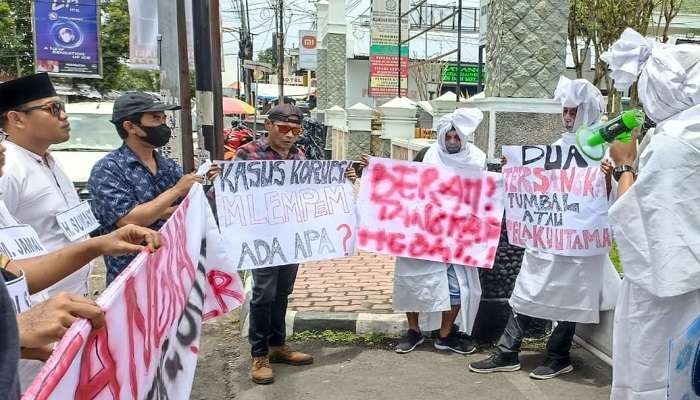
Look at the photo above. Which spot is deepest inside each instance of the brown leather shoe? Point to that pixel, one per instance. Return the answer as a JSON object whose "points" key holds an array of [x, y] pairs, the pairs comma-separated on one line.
{"points": [[261, 371], [284, 354]]}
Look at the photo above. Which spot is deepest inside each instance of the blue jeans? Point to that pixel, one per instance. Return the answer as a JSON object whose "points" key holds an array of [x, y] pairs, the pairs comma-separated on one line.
{"points": [[453, 285]]}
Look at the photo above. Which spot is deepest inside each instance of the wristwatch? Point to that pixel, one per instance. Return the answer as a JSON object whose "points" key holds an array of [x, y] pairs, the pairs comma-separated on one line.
{"points": [[620, 169]]}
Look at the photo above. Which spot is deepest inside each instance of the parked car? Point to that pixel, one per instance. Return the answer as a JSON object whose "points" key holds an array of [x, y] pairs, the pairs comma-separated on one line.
{"points": [[92, 136]]}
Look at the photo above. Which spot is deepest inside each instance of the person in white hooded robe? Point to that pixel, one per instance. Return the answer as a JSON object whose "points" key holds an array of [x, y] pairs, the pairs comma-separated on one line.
{"points": [[656, 219], [554, 287], [445, 296]]}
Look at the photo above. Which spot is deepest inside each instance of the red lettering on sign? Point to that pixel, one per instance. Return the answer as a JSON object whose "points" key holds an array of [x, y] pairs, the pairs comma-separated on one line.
{"points": [[220, 283], [55, 376], [91, 385]]}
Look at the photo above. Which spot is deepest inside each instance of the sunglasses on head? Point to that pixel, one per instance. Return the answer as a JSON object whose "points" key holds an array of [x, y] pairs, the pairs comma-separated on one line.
{"points": [[54, 107], [284, 129]]}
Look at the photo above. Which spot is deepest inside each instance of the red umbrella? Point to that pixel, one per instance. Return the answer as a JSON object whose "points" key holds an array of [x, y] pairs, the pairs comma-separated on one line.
{"points": [[234, 106]]}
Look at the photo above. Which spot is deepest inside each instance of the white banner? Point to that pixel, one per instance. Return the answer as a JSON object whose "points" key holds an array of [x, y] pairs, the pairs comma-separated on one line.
{"points": [[556, 201], [143, 34], [154, 312], [285, 212]]}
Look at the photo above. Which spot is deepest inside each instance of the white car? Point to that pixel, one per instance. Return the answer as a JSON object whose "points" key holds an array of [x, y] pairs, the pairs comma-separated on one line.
{"points": [[92, 136]]}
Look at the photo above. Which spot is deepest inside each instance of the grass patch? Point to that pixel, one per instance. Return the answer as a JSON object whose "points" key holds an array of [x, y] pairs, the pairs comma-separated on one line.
{"points": [[339, 337]]}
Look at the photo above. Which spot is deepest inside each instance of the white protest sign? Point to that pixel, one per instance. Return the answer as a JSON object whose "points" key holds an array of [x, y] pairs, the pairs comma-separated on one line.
{"points": [[429, 212], [556, 201], [78, 221], [153, 318], [285, 212], [21, 241]]}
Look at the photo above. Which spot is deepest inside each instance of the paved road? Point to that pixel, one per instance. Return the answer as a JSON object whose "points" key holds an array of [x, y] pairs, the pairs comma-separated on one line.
{"points": [[363, 373]]}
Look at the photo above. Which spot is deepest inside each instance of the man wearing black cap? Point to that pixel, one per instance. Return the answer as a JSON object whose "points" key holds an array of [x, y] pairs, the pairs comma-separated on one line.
{"points": [[34, 187], [272, 286], [135, 184]]}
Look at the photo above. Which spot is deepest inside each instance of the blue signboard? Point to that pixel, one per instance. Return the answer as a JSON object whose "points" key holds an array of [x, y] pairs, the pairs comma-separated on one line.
{"points": [[67, 38]]}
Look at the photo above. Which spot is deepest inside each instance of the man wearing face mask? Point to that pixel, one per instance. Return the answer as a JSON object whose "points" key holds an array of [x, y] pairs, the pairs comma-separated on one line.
{"points": [[135, 184], [445, 296], [553, 287]]}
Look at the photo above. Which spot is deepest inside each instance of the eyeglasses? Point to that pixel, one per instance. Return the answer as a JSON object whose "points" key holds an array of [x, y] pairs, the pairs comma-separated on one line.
{"points": [[55, 108], [284, 129]]}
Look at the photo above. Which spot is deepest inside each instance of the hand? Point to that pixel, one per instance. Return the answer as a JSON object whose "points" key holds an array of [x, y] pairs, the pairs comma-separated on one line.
{"points": [[182, 187], [48, 321], [607, 168], [129, 239], [213, 172], [504, 161], [624, 153], [351, 174], [364, 160]]}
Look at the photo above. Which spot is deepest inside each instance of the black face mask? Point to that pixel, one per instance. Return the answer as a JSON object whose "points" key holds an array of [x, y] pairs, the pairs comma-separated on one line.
{"points": [[157, 136]]}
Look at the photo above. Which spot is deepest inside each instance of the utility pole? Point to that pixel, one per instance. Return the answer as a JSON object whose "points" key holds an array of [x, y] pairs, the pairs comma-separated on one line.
{"points": [[459, 49], [398, 71], [207, 49], [280, 52], [174, 77]]}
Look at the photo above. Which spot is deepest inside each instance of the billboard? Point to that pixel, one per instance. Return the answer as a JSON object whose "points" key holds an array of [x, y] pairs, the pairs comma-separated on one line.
{"points": [[67, 38], [384, 49], [307, 50]]}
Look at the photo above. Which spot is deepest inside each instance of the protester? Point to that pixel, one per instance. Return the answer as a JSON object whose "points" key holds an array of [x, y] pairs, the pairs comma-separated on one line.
{"points": [[135, 184], [554, 287], [272, 286], [655, 218], [445, 293], [34, 187]]}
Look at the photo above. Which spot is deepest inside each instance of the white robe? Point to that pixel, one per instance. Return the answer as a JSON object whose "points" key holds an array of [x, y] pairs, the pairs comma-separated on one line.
{"points": [[563, 288], [657, 227], [421, 285]]}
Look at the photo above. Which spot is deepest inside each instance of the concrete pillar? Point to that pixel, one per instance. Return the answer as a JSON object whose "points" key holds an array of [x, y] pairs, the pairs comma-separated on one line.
{"points": [[335, 118], [333, 44], [359, 131], [322, 51], [398, 122]]}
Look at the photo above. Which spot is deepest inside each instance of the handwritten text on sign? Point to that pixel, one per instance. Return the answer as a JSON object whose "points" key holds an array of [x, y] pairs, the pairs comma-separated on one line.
{"points": [[285, 212], [556, 201], [153, 319], [431, 213]]}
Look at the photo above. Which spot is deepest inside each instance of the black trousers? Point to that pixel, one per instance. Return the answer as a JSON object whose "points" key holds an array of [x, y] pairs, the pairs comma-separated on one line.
{"points": [[268, 307], [558, 345]]}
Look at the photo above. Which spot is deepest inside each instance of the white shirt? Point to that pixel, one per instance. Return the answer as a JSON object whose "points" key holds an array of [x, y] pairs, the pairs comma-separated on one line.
{"points": [[34, 191]]}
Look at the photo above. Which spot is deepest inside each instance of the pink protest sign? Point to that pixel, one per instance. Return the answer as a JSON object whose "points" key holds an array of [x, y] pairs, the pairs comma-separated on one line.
{"points": [[429, 212], [154, 311], [556, 201]]}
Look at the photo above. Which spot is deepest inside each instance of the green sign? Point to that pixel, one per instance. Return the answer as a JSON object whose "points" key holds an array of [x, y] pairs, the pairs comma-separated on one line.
{"points": [[469, 74]]}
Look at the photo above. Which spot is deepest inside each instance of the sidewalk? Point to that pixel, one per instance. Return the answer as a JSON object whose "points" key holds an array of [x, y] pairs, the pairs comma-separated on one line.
{"points": [[362, 283]]}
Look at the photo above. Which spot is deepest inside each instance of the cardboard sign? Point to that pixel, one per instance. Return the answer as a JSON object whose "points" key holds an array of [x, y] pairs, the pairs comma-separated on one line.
{"points": [[429, 212], [556, 201], [285, 212], [78, 221], [154, 311]]}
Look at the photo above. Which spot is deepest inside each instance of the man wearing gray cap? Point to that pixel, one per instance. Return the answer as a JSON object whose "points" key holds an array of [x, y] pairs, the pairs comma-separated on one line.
{"points": [[135, 184]]}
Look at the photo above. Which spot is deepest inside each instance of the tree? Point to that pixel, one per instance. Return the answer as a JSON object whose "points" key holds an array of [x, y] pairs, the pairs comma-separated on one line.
{"points": [[669, 10], [268, 56], [16, 56], [428, 75], [580, 27]]}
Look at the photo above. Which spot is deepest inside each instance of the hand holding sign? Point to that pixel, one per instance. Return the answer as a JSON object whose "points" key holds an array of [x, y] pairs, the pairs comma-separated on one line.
{"points": [[129, 239], [47, 322]]}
